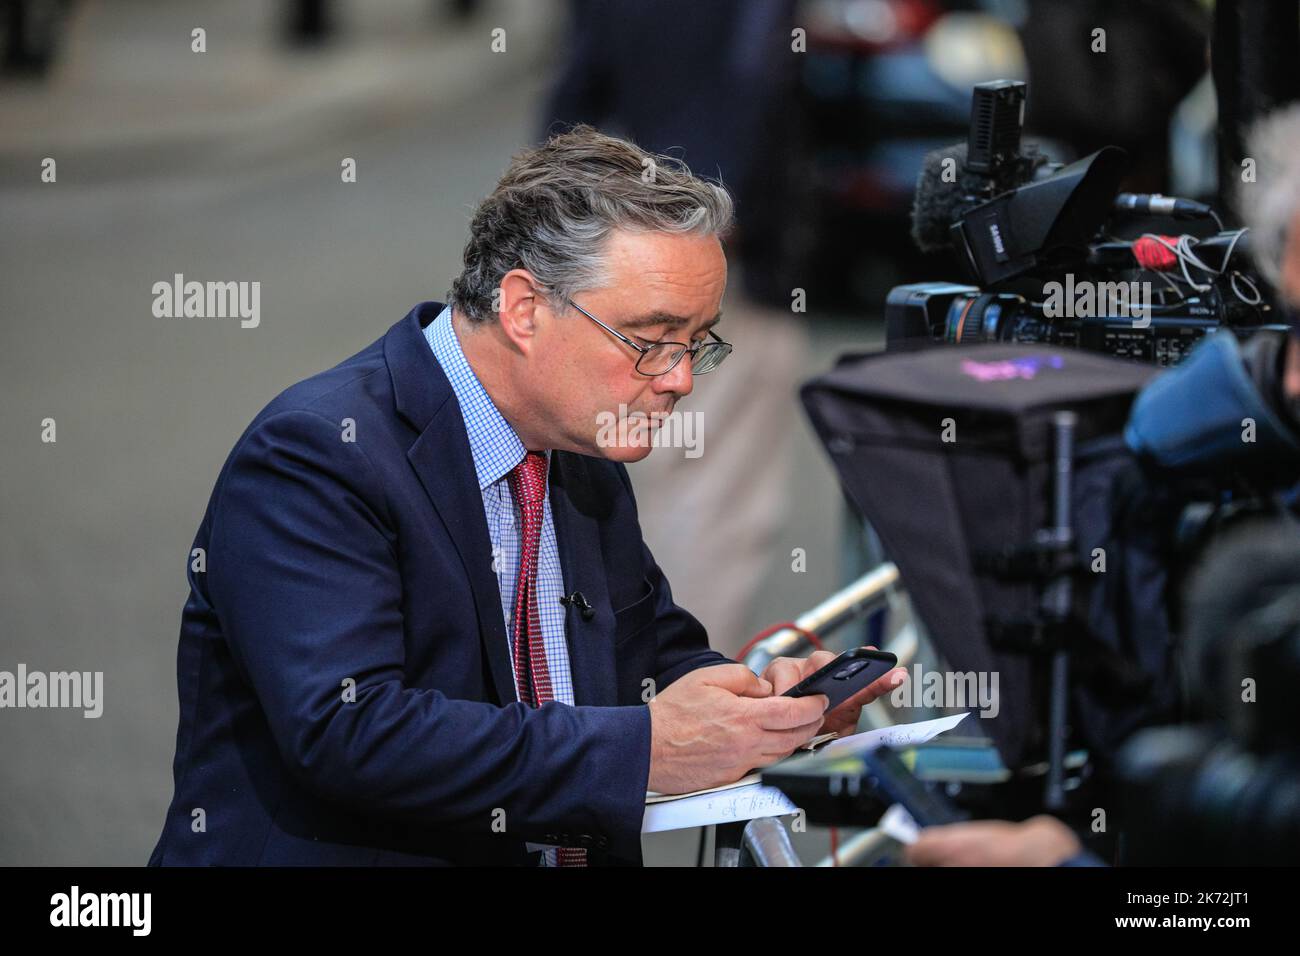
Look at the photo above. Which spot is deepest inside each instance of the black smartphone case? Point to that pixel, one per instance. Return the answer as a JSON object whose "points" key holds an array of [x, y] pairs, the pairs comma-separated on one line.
{"points": [[840, 689]]}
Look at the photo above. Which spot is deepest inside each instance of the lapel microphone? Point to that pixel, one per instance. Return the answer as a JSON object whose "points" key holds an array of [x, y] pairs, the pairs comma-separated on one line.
{"points": [[577, 600]]}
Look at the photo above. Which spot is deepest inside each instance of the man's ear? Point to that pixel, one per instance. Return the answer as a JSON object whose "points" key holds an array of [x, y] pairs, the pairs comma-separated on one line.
{"points": [[520, 301]]}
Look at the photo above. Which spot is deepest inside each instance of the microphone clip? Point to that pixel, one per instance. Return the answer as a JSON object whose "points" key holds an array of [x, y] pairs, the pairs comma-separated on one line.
{"points": [[577, 600]]}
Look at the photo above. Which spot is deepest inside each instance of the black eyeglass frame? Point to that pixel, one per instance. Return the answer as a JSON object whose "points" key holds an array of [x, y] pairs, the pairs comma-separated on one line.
{"points": [[646, 349]]}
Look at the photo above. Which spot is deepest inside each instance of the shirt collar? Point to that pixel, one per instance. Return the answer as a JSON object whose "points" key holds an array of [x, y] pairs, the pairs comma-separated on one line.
{"points": [[496, 448]]}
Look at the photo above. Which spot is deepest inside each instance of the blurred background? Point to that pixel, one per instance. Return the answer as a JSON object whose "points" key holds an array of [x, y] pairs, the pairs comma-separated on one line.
{"points": [[224, 165]]}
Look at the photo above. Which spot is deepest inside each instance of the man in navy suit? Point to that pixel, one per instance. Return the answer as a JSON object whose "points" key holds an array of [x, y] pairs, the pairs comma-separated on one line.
{"points": [[423, 626]]}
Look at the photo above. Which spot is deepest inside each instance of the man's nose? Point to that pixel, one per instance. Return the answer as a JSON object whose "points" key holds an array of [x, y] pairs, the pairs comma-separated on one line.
{"points": [[679, 379]]}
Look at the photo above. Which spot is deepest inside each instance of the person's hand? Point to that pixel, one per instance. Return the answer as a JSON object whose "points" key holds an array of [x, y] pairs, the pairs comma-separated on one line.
{"points": [[785, 672], [715, 724], [1291, 365], [1039, 841]]}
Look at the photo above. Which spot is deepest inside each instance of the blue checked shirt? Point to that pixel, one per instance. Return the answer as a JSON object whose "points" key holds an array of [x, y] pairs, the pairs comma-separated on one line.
{"points": [[497, 450]]}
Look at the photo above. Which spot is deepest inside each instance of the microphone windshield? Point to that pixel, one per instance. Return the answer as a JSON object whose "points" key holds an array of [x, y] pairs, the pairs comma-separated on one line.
{"points": [[942, 194], [946, 190]]}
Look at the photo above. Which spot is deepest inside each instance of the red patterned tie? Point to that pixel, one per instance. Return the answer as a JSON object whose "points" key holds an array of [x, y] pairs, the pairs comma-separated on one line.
{"points": [[532, 675]]}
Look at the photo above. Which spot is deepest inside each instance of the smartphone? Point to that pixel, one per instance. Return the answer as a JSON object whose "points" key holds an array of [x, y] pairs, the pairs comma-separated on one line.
{"points": [[846, 675]]}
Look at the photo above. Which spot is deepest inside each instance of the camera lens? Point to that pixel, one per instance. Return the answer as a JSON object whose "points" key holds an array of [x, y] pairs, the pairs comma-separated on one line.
{"points": [[848, 670]]}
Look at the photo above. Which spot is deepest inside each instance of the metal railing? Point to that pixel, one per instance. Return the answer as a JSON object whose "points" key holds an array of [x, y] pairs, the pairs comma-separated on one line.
{"points": [[765, 841]]}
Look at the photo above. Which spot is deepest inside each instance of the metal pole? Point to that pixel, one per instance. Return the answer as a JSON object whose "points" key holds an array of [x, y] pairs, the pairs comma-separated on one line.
{"points": [[861, 597], [1057, 602]]}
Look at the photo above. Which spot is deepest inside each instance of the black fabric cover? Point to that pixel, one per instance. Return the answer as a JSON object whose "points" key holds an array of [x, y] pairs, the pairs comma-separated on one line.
{"points": [[935, 503]]}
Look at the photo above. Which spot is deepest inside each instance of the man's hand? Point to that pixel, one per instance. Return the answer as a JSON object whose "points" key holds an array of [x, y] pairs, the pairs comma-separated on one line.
{"points": [[715, 724], [1039, 841], [785, 672]]}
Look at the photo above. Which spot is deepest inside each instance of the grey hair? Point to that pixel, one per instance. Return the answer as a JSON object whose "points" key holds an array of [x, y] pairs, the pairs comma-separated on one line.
{"points": [[1269, 204], [557, 204]]}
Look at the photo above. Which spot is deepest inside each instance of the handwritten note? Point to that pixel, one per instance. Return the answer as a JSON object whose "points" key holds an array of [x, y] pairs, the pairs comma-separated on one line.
{"points": [[899, 735], [746, 802]]}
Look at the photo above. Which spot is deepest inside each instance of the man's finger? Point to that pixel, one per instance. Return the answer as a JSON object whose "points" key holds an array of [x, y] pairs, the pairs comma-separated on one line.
{"points": [[817, 660], [787, 713], [736, 678], [781, 744], [784, 673]]}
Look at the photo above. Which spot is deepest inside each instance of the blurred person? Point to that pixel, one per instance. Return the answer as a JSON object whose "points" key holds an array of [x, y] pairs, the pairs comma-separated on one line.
{"points": [[314, 22], [714, 83], [1270, 208], [1119, 87], [425, 627], [31, 34]]}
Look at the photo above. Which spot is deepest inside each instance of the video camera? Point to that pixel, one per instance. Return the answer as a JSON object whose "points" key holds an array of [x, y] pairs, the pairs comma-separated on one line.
{"points": [[1038, 240]]}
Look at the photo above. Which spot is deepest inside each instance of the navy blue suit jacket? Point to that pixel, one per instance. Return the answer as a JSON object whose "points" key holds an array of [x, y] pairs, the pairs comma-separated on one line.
{"points": [[345, 686]]}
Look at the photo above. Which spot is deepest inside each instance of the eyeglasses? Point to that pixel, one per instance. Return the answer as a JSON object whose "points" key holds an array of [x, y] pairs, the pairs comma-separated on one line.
{"points": [[662, 357]]}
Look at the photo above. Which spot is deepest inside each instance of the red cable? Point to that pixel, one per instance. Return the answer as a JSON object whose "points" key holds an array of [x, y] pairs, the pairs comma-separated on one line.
{"points": [[1150, 254], [813, 639]]}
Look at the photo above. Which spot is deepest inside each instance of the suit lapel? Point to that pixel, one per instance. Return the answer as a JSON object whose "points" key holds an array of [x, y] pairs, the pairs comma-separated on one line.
{"points": [[441, 458], [591, 643], [443, 462]]}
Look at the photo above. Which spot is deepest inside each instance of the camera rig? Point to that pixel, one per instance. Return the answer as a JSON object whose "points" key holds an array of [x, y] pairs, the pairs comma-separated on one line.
{"points": [[1041, 246]]}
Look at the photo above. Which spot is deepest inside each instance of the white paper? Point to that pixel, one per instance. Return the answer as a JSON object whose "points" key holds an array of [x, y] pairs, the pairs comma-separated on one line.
{"points": [[747, 799], [716, 806], [899, 735], [652, 797]]}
